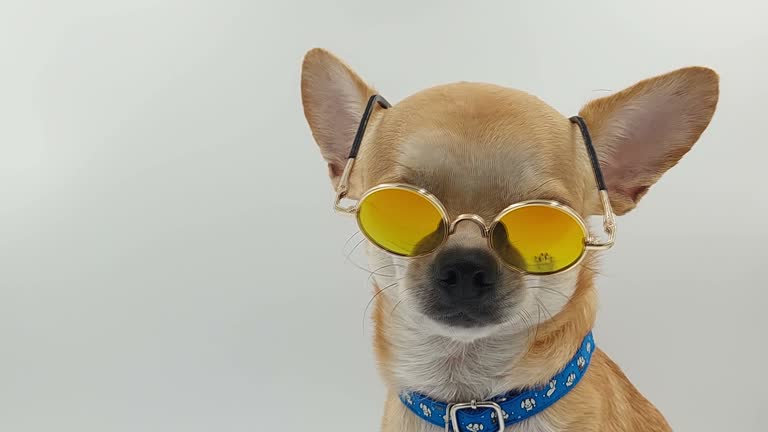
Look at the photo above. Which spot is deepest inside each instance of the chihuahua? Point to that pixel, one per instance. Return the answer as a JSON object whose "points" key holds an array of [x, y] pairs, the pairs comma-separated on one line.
{"points": [[473, 199]]}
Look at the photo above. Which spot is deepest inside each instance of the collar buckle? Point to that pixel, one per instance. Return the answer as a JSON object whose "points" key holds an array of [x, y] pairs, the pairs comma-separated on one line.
{"points": [[452, 419]]}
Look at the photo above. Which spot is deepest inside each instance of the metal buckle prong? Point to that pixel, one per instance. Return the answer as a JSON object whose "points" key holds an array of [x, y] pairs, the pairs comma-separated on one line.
{"points": [[452, 419]]}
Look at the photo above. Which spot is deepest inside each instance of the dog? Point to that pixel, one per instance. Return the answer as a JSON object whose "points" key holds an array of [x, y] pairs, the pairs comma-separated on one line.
{"points": [[490, 346]]}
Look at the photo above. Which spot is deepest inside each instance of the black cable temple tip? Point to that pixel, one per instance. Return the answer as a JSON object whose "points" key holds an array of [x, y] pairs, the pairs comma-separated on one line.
{"points": [[591, 150], [364, 122]]}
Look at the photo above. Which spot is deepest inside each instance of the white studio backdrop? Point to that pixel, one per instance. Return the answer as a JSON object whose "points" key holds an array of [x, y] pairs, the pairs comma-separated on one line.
{"points": [[169, 260]]}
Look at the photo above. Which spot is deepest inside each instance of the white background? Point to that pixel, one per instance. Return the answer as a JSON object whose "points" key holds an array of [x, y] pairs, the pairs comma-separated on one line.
{"points": [[169, 260]]}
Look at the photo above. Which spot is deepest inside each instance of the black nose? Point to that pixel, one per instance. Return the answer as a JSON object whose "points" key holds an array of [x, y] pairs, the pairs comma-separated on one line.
{"points": [[465, 276]]}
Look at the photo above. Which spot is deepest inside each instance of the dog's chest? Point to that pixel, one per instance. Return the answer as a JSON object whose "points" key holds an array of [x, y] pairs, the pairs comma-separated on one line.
{"points": [[458, 371]]}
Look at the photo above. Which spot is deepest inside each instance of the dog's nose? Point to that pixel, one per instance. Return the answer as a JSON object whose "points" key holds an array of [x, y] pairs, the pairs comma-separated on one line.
{"points": [[465, 276]]}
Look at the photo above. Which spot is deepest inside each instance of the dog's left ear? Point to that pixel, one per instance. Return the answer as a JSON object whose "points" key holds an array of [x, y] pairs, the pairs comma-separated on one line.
{"points": [[644, 130], [334, 99]]}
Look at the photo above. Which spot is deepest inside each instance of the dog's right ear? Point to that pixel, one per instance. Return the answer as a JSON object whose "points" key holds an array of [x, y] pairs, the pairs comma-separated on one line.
{"points": [[644, 130], [334, 99]]}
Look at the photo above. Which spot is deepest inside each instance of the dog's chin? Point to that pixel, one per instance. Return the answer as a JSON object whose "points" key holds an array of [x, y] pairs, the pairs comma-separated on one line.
{"points": [[462, 328]]}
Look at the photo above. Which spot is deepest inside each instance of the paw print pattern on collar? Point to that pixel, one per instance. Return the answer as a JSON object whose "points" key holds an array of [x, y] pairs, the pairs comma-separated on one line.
{"points": [[516, 406]]}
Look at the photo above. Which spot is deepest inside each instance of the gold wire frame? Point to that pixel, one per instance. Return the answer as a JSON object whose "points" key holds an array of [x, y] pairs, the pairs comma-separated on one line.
{"points": [[588, 242]]}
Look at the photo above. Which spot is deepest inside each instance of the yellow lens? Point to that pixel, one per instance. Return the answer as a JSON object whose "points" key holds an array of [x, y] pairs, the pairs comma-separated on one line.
{"points": [[401, 221], [539, 238]]}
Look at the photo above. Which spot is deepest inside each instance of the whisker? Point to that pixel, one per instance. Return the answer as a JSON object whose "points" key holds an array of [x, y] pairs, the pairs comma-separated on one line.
{"points": [[527, 322], [547, 311], [550, 290], [376, 272], [348, 258], [538, 310], [534, 327], [543, 306], [351, 251], [346, 243], [512, 322], [370, 302], [396, 305], [403, 298]]}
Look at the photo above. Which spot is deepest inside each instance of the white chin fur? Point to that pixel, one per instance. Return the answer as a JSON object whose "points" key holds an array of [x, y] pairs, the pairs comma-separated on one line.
{"points": [[461, 334]]}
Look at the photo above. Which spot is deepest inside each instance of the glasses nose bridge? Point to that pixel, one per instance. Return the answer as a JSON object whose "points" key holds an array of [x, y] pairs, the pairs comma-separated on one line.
{"points": [[476, 219]]}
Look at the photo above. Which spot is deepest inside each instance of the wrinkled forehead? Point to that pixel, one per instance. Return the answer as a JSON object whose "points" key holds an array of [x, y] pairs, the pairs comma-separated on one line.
{"points": [[477, 148]]}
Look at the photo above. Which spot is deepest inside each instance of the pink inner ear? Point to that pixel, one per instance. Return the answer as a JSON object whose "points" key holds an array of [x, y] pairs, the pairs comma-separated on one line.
{"points": [[641, 136], [337, 99], [341, 108]]}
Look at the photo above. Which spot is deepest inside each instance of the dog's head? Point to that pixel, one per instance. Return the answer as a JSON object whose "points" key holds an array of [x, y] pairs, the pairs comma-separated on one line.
{"points": [[478, 148]]}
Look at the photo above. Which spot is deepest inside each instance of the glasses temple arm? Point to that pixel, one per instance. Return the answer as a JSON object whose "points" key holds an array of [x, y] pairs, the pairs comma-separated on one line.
{"points": [[343, 187], [609, 218]]}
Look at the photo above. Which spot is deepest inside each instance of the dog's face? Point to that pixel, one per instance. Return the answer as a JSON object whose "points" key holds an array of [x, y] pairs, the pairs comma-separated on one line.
{"points": [[479, 148]]}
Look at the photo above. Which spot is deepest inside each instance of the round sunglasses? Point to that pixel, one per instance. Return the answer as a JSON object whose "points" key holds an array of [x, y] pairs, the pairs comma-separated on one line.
{"points": [[539, 237]]}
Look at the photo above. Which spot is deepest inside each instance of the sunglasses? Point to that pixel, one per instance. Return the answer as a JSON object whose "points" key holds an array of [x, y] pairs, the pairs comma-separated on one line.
{"points": [[537, 237]]}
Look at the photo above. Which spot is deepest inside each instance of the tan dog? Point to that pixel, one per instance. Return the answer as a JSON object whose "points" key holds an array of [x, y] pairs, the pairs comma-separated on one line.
{"points": [[479, 148]]}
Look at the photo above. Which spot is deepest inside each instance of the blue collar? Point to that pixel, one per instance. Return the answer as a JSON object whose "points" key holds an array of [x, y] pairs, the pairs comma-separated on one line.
{"points": [[512, 407]]}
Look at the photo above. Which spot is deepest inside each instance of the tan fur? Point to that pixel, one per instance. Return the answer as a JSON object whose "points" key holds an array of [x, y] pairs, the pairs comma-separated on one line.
{"points": [[479, 148]]}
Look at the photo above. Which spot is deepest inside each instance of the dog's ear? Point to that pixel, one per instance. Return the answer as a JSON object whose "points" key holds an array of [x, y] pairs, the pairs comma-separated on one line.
{"points": [[644, 130], [334, 99]]}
